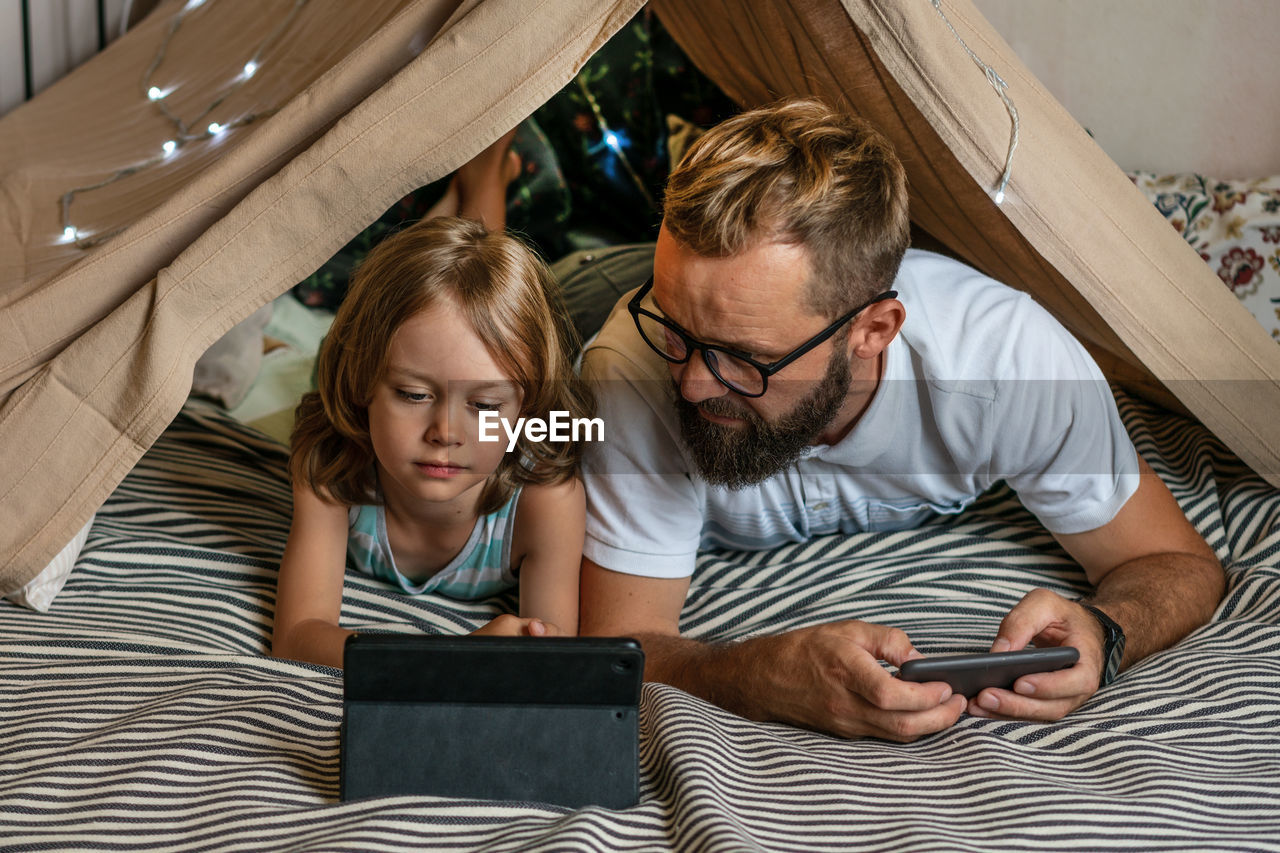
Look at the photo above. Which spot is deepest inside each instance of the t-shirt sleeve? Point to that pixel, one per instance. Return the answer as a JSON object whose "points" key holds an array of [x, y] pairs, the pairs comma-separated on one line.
{"points": [[644, 514], [1060, 442]]}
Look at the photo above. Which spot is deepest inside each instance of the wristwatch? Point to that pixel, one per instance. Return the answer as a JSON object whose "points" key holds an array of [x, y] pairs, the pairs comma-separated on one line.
{"points": [[1113, 645]]}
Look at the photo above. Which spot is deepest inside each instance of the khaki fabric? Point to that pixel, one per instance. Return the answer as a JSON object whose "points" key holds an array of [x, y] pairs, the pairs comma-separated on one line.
{"points": [[1072, 230], [370, 100]]}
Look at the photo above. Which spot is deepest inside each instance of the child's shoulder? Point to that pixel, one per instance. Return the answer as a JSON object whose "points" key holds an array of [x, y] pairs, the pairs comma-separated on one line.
{"points": [[550, 518], [541, 503]]}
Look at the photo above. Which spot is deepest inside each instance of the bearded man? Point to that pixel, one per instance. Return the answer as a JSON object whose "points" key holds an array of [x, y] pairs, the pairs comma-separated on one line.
{"points": [[791, 369]]}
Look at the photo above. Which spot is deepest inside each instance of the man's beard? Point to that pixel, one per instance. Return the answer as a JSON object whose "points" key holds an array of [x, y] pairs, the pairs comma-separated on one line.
{"points": [[736, 457]]}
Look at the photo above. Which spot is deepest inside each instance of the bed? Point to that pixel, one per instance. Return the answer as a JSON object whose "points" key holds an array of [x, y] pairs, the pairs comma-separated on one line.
{"points": [[141, 711]]}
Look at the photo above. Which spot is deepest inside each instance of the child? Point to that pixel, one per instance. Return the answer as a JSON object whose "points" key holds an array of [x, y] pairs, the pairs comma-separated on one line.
{"points": [[443, 321]]}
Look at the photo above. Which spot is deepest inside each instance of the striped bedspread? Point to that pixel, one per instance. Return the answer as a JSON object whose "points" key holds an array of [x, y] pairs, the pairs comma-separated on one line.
{"points": [[141, 712]]}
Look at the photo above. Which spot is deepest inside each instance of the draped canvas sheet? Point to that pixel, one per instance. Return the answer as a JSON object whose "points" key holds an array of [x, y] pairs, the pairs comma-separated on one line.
{"points": [[140, 712], [97, 345], [1072, 230]]}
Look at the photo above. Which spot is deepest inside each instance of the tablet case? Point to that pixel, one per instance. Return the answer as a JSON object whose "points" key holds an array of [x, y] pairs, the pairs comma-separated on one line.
{"points": [[552, 720]]}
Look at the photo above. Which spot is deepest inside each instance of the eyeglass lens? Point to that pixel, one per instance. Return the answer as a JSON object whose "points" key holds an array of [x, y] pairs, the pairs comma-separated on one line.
{"points": [[733, 371]]}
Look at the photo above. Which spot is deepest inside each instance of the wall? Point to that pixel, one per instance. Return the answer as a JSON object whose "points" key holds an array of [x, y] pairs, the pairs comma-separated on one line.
{"points": [[64, 33], [1163, 85]]}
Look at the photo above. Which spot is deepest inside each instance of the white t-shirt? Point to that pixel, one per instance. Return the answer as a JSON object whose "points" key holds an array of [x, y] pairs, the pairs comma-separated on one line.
{"points": [[980, 385]]}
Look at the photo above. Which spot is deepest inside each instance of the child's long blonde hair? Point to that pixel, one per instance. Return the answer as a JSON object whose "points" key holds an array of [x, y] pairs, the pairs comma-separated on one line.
{"points": [[510, 301]]}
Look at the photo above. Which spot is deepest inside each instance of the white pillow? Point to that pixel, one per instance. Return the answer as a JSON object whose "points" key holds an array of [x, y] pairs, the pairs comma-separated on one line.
{"points": [[40, 591], [226, 371]]}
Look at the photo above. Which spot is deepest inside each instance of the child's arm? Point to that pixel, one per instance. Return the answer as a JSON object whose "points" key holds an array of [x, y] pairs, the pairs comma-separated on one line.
{"points": [[551, 522], [309, 590]]}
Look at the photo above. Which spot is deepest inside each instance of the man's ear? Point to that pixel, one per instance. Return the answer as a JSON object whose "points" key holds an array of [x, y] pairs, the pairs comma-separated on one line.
{"points": [[875, 327]]}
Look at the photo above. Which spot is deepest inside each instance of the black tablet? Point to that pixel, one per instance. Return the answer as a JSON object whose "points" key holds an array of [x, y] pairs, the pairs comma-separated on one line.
{"points": [[546, 719]]}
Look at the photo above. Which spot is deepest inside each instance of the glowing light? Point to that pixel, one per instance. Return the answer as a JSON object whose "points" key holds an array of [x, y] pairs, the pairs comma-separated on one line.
{"points": [[999, 196], [183, 134], [611, 139]]}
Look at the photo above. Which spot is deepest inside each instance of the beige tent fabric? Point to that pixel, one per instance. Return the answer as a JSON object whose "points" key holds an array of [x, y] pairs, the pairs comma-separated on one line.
{"points": [[1072, 230], [97, 345], [97, 120]]}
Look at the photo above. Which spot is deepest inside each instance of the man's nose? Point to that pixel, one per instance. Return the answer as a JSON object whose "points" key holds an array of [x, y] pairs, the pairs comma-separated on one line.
{"points": [[696, 381]]}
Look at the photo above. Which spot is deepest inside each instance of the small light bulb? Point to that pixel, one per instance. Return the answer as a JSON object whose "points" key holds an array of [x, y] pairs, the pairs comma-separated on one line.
{"points": [[169, 147], [69, 234], [194, 4], [154, 93], [611, 139], [999, 196], [250, 68], [215, 129]]}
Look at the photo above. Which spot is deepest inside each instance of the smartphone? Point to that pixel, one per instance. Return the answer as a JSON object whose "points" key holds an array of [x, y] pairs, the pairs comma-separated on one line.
{"points": [[969, 674]]}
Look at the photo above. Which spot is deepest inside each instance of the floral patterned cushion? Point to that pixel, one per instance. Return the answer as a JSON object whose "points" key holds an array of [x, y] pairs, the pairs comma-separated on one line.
{"points": [[1235, 226]]}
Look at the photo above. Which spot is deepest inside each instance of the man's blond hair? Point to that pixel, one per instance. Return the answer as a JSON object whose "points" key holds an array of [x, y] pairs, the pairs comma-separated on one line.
{"points": [[797, 172]]}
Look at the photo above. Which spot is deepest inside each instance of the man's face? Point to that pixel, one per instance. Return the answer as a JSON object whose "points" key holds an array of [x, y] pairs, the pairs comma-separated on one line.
{"points": [[755, 302], [740, 456]]}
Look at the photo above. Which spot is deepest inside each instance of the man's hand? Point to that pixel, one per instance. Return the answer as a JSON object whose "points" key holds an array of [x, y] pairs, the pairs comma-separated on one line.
{"points": [[829, 678], [1153, 574], [1045, 619]]}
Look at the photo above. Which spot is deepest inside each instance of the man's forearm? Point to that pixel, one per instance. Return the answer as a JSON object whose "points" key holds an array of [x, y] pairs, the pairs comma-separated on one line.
{"points": [[825, 677], [1158, 600], [720, 673]]}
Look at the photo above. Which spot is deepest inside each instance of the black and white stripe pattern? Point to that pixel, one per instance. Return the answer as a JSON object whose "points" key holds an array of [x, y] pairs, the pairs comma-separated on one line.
{"points": [[141, 713]]}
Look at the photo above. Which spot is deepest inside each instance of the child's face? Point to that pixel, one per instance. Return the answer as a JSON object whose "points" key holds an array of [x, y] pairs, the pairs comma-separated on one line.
{"points": [[424, 415]]}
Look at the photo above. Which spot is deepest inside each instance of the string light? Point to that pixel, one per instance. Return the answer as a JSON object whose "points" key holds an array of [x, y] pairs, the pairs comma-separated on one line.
{"points": [[614, 142], [1002, 89], [183, 128]]}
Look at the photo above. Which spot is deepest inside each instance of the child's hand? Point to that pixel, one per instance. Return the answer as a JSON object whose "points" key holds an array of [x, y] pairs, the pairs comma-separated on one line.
{"points": [[508, 625]]}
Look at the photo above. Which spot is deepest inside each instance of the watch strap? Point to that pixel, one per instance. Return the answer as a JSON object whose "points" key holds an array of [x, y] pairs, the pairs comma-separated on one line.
{"points": [[1113, 645]]}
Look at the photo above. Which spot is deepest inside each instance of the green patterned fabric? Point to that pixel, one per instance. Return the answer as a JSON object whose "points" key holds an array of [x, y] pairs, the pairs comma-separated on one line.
{"points": [[628, 88], [594, 157]]}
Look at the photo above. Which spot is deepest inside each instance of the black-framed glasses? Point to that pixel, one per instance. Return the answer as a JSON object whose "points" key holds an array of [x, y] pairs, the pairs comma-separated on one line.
{"points": [[736, 370]]}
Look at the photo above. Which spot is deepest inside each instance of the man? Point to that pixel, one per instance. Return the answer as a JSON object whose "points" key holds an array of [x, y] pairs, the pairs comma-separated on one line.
{"points": [[786, 373]]}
